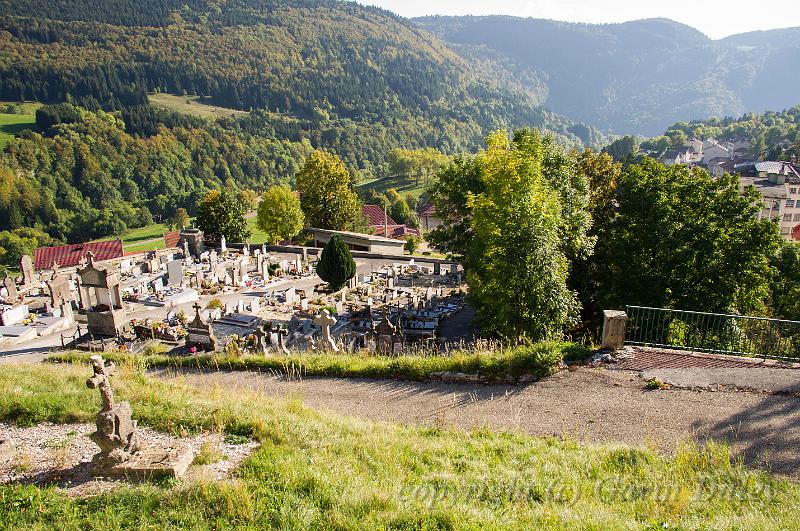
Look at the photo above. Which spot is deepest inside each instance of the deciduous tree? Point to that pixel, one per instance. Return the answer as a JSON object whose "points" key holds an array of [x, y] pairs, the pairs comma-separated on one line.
{"points": [[326, 193], [279, 214], [221, 214]]}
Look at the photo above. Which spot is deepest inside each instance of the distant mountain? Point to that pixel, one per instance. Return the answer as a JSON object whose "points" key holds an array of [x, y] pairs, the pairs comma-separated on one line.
{"points": [[633, 78], [354, 79]]}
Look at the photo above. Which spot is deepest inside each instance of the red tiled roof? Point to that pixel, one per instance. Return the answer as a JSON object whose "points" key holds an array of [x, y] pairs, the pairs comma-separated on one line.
{"points": [[171, 239], [375, 215], [72, 255], [398, 232]]}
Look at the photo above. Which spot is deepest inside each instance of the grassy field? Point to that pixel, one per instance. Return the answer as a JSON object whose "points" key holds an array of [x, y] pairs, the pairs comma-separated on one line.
{"points": [[146, 238], [191, 105], [401, 184], [538, 360], [10, 124], [258, 236], [319, 471]]}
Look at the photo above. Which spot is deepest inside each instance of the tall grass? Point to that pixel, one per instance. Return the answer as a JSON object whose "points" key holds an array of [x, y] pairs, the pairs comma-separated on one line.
{"points": [[493, 362], [315, 471]]}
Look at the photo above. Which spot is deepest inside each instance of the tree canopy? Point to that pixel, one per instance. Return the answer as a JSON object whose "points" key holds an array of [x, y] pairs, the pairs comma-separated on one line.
{"points": [[220, 214], [279, 214], [327, 193], [336, 265]]}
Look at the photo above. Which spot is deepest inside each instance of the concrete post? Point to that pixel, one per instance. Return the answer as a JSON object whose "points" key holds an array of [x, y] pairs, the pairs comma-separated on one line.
{"points": [[614, 322]]}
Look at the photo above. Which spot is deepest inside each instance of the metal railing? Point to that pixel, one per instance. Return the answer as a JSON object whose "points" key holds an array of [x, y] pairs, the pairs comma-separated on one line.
{"points": [[740, 335]]}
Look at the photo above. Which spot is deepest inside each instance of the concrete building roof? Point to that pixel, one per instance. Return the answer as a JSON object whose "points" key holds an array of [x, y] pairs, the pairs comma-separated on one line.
{"points": [[764, 187]]}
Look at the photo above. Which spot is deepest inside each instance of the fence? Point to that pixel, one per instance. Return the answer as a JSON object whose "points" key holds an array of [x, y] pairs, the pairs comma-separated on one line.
{"points": [[713, 332]]}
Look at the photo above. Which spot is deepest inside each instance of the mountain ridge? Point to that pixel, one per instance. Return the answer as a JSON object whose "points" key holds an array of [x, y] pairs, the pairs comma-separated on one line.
{"points": [[634, 77]]}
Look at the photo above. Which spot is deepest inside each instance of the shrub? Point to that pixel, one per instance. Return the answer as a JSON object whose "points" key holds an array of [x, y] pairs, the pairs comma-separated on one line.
{"points": [[336, 266]]}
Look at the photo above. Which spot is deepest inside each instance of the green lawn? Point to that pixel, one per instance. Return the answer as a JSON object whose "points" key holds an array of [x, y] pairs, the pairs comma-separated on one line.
{"points": [[258, 236], [318, 470], [146, 238], [401, 184], [191, 105], [11, 124]]}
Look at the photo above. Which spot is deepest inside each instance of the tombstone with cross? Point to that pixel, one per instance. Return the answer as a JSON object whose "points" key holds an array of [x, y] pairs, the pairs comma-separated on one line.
{"points": [[116, 433], [325, 321], [277, 339]]}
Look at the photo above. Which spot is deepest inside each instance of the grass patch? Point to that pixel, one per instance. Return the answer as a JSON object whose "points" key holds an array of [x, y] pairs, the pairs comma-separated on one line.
{"points": [[654, 384], [258, 236], [191, 105], [404, 185], [317, 471], [540, 359], [11, 124]]}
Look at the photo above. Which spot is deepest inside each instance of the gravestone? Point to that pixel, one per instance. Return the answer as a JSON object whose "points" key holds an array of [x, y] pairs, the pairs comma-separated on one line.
{"points": [[277, 339], [174, 272], [240, 306], [255, 307], [28, 273], [290, 295], [105, 310], [325, 321], [223, 246], [261, 343], [304, 304], [11, 286], [200, 334], [385, 332], [59, 290], [122, 454]]}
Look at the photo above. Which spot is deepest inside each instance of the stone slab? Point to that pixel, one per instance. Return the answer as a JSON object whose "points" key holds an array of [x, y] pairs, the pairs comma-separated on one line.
{"points": [[152, 462], [12, 335]]}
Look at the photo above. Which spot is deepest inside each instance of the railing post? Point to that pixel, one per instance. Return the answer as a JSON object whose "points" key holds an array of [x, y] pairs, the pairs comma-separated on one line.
{"points": [[614, 322]]}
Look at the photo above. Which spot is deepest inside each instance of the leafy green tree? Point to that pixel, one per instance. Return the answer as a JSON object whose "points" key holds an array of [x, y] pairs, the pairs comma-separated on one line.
{"points": [[623, 148], [326, 193], [517, 268], [249, 199], [221, 214], [13, 246], [455, 184], [336, 265], [785, 284], [679, 239], [279, 214]]}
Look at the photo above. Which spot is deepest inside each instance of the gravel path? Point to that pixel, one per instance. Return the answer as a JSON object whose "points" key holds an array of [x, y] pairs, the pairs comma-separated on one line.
{"points": [[592, 405]]}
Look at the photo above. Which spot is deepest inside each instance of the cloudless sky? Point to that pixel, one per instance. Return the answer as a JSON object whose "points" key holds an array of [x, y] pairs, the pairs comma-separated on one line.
{"points": [[715, 18]]}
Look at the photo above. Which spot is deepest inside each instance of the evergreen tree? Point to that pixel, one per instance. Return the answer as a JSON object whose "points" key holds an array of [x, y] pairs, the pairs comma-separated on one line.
{"points": [[336, 266]]}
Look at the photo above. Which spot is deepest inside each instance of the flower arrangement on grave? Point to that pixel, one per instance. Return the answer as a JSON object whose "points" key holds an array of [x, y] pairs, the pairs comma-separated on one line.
{"points": [[182, 318], [234, 347]]}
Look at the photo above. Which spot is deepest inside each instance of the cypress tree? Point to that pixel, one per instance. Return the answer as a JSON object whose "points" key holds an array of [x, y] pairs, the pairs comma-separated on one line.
{"points": [[336, 266]]}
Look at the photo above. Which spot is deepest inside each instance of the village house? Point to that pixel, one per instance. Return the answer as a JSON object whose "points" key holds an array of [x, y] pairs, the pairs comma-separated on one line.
{"points": [[715, 150], [779, 186], [427, 217]]}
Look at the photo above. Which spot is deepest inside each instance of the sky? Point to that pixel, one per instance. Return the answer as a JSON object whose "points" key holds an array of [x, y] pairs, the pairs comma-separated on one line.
{"points": [[715, 18]]}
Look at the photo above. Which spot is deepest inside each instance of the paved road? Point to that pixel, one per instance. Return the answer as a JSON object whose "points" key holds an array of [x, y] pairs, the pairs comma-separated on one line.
{"points": [[592, 405]]}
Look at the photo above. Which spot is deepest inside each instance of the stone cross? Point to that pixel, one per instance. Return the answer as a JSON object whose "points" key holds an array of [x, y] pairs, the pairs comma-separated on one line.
{"points": [[277, 339], [325, 321], [116, 433]]}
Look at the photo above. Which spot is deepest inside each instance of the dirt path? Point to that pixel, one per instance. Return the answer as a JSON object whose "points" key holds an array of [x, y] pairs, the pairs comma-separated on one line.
{"points": [[592, 405]]}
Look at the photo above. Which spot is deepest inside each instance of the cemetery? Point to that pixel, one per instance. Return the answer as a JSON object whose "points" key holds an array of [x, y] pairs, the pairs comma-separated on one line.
{"points": [[192, 298]]}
